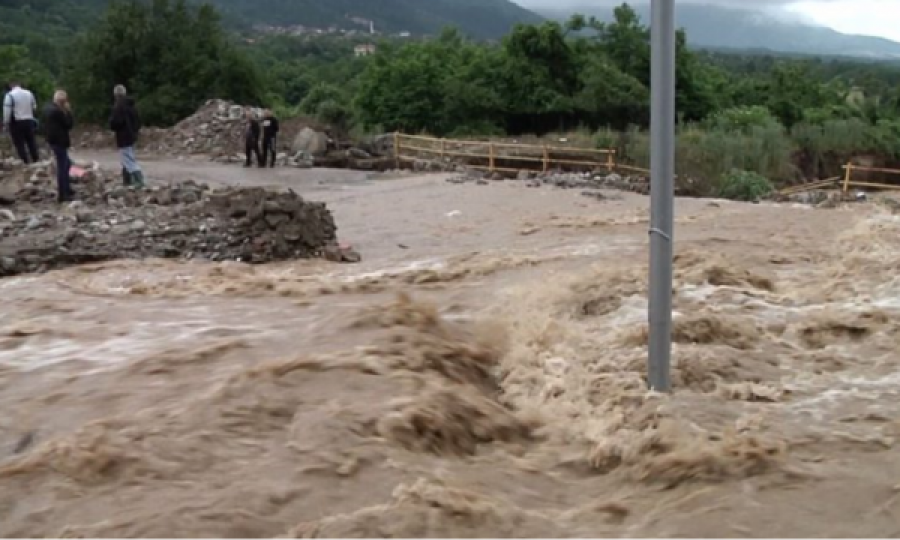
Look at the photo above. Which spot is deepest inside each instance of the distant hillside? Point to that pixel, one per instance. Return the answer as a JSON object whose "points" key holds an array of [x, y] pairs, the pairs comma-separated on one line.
{"points": [[481, 19], [729, 28]]}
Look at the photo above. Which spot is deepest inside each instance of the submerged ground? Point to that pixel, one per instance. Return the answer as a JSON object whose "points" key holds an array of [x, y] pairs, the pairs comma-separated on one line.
{"points": [[479, 374]]}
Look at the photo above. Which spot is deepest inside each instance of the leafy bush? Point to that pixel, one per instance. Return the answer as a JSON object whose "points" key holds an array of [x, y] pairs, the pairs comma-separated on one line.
{"points": [[743, 119], [739, 185], [337, 114], [318, 95]]}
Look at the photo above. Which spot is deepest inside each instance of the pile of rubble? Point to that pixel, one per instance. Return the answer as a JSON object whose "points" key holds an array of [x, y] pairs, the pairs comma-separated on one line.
{"points": [[217, 131], [830, 198], [563, 180], [216, 128], [186, 220]]}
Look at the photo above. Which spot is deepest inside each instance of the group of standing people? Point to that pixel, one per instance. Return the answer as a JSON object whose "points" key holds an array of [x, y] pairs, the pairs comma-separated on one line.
{"points": [[20, 108], [19, 120], [269, 133]]}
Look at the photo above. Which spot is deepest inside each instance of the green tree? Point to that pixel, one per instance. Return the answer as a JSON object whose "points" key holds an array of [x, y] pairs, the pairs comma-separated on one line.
{"points": [[611, 96], [439, 86], [15, 64], [172, 58]]}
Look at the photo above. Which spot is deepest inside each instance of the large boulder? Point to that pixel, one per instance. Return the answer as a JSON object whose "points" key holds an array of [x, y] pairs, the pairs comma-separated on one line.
{"points": [[310, 142], [382, 145]]}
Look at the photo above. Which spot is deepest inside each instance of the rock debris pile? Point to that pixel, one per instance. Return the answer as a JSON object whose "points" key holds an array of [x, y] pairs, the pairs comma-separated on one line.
{"points": [[584, 181], [186, 220], [217, 129]]}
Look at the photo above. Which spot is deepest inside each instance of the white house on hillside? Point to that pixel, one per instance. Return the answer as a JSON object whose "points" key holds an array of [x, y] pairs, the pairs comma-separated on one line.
{"points": [[364, 49]]}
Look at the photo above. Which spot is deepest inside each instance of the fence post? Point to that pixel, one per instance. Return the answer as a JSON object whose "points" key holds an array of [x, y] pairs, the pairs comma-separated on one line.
{"points": [[546, 158], [610, 160], [491, 152], [397, 149], [443, 148], [849, 171]]}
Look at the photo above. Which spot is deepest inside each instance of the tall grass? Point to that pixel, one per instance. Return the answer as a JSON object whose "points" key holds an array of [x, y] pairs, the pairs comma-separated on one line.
{"points": [[706, 154]]}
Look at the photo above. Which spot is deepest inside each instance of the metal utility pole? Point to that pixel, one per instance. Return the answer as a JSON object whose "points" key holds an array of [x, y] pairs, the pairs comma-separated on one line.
{"points": [[662, 192]]}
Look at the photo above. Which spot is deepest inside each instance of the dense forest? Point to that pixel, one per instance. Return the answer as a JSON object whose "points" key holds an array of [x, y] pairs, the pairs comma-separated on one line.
{"points": [[781, 118]]}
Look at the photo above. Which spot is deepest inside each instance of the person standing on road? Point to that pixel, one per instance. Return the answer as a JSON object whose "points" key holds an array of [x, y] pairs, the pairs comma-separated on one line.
{"points": [[251, 140], [58, 122], [19, 108], [7, 88], [126, 124], [270, 138]]}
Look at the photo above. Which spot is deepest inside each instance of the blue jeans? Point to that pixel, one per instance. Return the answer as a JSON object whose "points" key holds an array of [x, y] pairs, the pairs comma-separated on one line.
{"points": [[63, 164], [129, 160]]}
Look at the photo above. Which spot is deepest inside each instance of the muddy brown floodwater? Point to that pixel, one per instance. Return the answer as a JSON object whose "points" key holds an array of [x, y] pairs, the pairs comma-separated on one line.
{"points": [[481, 373]]}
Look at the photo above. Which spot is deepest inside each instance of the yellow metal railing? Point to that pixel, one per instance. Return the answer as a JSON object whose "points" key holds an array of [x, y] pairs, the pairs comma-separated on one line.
{"points": [[532, 156]]}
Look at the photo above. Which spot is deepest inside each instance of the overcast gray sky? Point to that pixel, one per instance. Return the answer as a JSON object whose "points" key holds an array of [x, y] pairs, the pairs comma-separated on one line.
{"points": [[868, 17]]}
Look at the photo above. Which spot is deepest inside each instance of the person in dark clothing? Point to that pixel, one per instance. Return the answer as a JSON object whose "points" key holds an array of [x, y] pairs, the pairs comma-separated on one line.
{"points": [[126, 124], [270, 138], [251, 140], [7, 88], [58, 123]]}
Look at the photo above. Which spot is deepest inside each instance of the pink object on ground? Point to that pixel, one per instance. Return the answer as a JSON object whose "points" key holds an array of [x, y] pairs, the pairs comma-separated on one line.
{"points": [[76, 172]]}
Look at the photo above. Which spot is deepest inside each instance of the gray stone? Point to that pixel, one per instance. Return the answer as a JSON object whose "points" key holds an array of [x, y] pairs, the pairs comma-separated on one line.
{"points": [[190, 197], [341, 254], [7, 193], [597, 195], [358, 153], [310, 142]]}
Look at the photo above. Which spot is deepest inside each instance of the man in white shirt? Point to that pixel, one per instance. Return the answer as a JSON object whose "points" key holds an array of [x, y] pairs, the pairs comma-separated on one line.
{"points": [[19, 108]]}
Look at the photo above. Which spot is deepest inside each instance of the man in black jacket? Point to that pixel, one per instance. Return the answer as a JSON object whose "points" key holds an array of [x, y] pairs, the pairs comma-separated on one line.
{"points": [[126, 123], [251, 140], [58, 123], [270, 137]]}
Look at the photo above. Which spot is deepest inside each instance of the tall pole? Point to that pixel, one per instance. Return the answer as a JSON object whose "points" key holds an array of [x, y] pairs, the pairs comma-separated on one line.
{"points": [[662, 193]]}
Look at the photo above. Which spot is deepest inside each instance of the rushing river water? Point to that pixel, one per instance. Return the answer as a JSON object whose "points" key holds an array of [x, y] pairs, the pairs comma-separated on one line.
{"points": [[481, 373]]}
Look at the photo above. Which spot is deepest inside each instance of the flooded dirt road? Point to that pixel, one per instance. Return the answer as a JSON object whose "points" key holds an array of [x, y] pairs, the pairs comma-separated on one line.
{"points": [[481, 373]]}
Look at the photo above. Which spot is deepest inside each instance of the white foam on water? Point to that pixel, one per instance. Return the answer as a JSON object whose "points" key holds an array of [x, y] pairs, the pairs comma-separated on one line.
{"points": [[190, 328], [880, 392], [13, 282], [424, 264], [632, 311]]}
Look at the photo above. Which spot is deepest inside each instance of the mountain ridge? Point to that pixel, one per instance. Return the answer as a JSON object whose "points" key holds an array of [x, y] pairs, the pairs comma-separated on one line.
{"points": [[720, 27], [480, 19]]}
